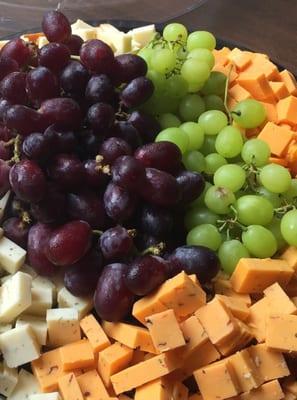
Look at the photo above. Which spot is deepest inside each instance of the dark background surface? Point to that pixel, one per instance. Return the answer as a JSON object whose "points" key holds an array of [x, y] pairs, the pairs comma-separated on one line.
{"points": [[268, 26]]}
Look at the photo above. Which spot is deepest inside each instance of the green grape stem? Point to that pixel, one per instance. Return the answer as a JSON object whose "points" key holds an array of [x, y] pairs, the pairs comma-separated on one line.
{"points": [[154, 250], [252, 173], [229, 113], [280, 211]]}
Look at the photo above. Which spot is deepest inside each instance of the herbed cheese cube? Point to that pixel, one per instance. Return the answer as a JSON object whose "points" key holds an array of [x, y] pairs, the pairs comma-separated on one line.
{"points": [[63, 326], [45, 396], [38, 325], [5, 327], [19, 346], [12, 256], [82, 304], [8, 379], [40, 282], [26, 386], [42, 300], [15, 296], [3, 203]]}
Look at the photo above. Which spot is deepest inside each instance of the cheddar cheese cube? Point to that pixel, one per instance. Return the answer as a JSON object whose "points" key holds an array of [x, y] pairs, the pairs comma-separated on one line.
{"points": [[63, 326], [146, 306], [165, 331], [179, 391], [8, 379], [237, 306], [281, 332], [194, 334], [138, 356], [278, 301], [270, 364], [279, 89], [289, 81], [269, 391], [240, 339], [77, 355], [221, 55], [290, 255], [130, 335], [94, 332], [248, 376], [256, 83], [144, 372], [253, 275], [286, 110], [91, 386], [238, 93], [290, 385], [261, 63], [112, 360], [217, 381], [157, 390], [241, 59], [195, 396], [69, 387], [257, 319], [277, 137], [223, 286]]}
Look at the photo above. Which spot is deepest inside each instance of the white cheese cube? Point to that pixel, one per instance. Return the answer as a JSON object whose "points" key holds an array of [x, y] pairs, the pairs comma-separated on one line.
{"points": [[40, 282], [42, 300], [86, 34], [38, 325], [8, 379], [26, 386], [5, 278], [143, 35], [63, 326], [15, 296], [82, 304], [12, 256], [120, 41], [19, 346], [45, 396], [3, 43], [3, 204], [42, 41], [79, 24], [27, 269], [5, 327]]}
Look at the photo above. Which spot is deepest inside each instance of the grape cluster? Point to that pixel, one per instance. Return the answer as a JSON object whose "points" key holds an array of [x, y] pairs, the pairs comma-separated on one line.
{"points": [[90, 190]]}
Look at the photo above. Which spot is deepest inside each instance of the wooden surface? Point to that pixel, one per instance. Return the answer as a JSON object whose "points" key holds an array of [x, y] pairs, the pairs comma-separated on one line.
{"points": [[261, 25]]}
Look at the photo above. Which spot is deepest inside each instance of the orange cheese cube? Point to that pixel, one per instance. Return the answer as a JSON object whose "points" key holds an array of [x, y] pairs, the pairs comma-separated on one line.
{"points": [[288, 395], [221, 56], [228, 71], [217, 321], [261, 63], [69, 387], [239, 93], [194, 334], [223, 286], [291, 288], [138, 356], [279, 89], [93, 331], [271, 112], [92, 386], [165, 331], [290, 385], [289, 81], [270, 364], [253, 275], [231, 103], [146, 306], [48, 369], [237, 306], [179, 391], [277, 137], [280, 161], [242, 338], [144, 372], [112, 360], [281, 332], [124, 397], [269, 391], [287, 110], [248, 376], [77, 355], [290, 255], [157, 390], [241, 59], [256, 83], [278, 301], [130, 335], [195, 396], [257, 319], [217, 381]]}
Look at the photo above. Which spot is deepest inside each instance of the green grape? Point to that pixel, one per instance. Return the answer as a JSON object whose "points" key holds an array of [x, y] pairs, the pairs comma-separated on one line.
{"points": [[214, 102], [201, 39], [219, 199], [191, 107], [194, 161], [205, 235], [229, 142], [195, 87], [291, 193], [230, 252], [215, 84], [274, 198], [213, 162], [177, 86], [175, 31], [259, 241], [146, 53], [255, 151], [169, 120], [199, 202], [163, 61], [249, 113], [176, 136], [204, 55], [252, 209], [195, 71], [199, 215], [275, 178], [213, 121], [208, 146], [289, 227], [275, 229], [231, 176], [158, 80], [195, 134]]}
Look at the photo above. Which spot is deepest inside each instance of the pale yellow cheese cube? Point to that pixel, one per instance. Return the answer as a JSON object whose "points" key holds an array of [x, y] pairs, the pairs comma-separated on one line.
{"points": [[63, 326]]}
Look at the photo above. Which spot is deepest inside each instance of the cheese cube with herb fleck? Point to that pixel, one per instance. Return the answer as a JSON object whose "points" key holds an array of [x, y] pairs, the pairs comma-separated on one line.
{"points": [[38, 325], [63, 326], [82, 304], [26, 386], [12, 256], [8, 379], [42, 300]]}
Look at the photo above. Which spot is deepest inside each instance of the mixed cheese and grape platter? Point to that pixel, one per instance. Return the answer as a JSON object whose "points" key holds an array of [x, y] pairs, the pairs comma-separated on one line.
{"points": [[148, 240]]}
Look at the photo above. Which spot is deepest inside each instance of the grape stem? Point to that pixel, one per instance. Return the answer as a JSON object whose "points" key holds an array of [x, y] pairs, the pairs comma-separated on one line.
{"points": [[230, 223], [251, 178], [97, 232], [280, 211], [104, 168], [155, 250], [132, 233], [25, 216], [226, 95], [17, 141]]}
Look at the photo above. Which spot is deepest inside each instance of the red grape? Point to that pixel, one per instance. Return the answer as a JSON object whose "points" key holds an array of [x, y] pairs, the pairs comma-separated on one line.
{"points": [[74, 44], [156, 221], [74, 78], [5, 151], [115, 243], [99, 89], [7, 65], [4, 106], [5, 133], [24, 120], [16, 230], [90, 144], [36, 146], [42, 84], [54, 56], [69, 243], [147, 126], [63, 111], [127, 132], [112, 299], [119, 203], [128, 173], [95, 177], [52, 208], [191, 185], [56, 26], [4, 177], [61, 140], [97, 56], [130, 66], [165, 156], [145, 274], [112, 148], [28, 181], [17, 50], [143, 241], [100, 117], [137, 92], [37, 242], [67, 171], [13, 88]]}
